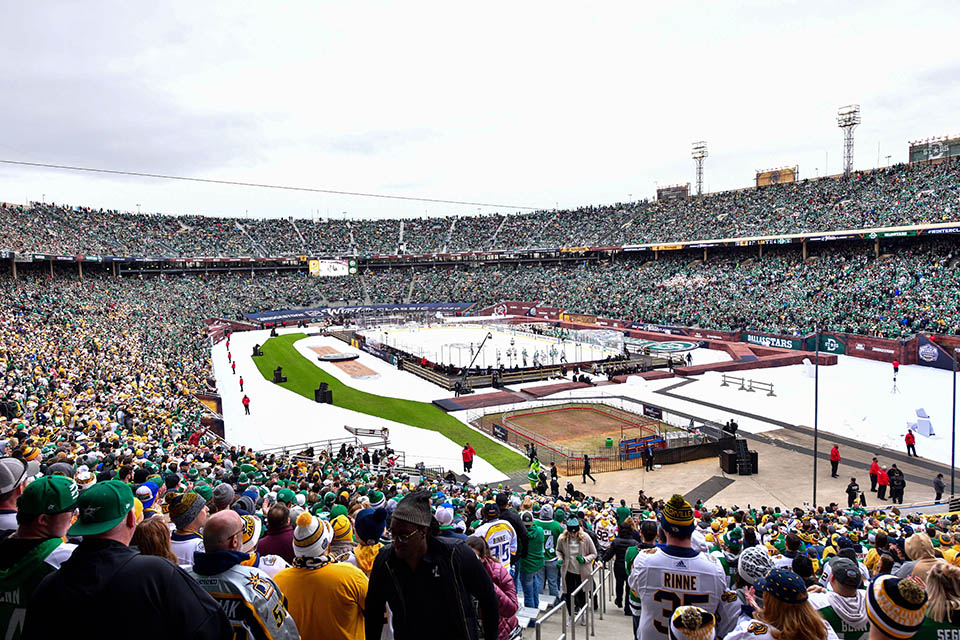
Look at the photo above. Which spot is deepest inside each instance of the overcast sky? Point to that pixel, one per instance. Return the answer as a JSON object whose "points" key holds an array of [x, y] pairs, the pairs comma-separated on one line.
{"points": [[516, 103]]}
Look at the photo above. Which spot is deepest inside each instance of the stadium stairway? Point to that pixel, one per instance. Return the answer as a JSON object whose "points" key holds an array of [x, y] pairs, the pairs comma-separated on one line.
{"points": [[614, 624]]}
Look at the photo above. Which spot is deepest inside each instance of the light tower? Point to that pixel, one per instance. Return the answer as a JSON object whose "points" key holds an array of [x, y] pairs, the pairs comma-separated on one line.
{"points": [[698, 153], [848, 118]]}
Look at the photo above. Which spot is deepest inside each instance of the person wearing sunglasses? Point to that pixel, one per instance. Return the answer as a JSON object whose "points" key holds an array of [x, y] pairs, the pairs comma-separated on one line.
{"points": [[250, 598], [428, 581]]}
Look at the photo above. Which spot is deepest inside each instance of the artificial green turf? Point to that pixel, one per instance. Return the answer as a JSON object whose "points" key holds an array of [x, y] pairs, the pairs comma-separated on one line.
{"points": [[303, 377]]}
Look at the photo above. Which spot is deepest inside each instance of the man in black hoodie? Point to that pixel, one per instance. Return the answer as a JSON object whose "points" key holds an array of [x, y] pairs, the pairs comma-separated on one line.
{"points": [[123, 591]]}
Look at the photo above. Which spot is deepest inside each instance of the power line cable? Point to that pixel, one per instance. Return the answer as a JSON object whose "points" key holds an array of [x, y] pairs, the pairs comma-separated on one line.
{"points": [[260, 185]]}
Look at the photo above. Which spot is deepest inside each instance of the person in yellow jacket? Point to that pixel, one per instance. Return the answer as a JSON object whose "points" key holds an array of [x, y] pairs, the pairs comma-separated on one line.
{"points": [[326, 597]]}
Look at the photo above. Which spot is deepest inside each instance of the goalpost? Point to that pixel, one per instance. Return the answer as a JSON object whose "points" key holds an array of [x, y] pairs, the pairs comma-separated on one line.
{"points": [[460, 354]]}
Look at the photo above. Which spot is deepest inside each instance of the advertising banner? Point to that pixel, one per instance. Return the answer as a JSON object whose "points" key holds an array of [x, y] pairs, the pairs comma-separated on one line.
{"points": [[499, 432], [653, 412], [931, 354], [831, 343], [781, 342], [318, 313], [380, 353], [776, 176], [655, 328], [331, 268], [581, 318]]}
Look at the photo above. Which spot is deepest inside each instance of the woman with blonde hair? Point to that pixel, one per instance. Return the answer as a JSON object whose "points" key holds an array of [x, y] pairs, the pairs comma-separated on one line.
{"points": [[786, 613], [575, 555], [943, 589], [152, 538]]}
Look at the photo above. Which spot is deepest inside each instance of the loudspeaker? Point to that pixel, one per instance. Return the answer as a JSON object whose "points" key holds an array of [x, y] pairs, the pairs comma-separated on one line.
{"points": [[323, 386], [753, 461], [278, 376], [318, 395], [728, 461], [328, 396]]}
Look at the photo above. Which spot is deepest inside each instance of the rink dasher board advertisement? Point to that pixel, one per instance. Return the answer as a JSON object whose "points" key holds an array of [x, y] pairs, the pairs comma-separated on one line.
{"points": [[931, 354]]}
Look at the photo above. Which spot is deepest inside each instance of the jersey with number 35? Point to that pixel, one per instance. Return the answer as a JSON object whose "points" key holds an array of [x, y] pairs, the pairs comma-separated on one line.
{"points": [[665, 578], [501, 538]]}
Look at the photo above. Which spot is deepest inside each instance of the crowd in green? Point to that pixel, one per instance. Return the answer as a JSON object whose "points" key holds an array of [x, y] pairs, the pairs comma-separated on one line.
{"points": [[904, 194]]}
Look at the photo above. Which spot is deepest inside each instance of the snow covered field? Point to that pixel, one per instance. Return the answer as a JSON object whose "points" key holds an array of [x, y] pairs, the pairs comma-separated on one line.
{"points": [[855, 401], [282, 418], [855, 395], [457, 344]]}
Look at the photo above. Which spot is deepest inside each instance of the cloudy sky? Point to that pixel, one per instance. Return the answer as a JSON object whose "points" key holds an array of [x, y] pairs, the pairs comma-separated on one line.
{"points": [[529, 104]]}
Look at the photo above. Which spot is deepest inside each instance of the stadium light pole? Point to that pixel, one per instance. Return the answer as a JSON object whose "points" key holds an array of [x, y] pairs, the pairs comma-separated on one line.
{"points": [[816, 424], [698, 153], [848, 117], [953, 425]]}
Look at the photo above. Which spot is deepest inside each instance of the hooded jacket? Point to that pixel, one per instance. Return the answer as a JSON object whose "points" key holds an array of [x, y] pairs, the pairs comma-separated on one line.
{"points": [[919, 548], [435, 601], [122, 590], [846, 614], [252, 601], [23, 564]]}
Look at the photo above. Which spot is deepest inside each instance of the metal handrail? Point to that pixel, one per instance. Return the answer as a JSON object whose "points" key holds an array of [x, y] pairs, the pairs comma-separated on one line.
{"points": [[598, 577]]}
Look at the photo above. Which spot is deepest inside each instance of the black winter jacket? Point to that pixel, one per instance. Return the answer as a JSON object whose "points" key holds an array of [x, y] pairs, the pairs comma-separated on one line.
{"points": [[523, 538], [121, 592], [618, 549], [435, 601]]}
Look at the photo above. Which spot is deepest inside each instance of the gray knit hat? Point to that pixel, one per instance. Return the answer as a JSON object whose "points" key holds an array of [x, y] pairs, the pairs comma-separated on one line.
{"points": [[415, 509], [223, 494], [185, 508]]}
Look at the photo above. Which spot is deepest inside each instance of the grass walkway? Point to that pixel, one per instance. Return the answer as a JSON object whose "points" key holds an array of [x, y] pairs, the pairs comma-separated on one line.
{"points": [[303, 377]]}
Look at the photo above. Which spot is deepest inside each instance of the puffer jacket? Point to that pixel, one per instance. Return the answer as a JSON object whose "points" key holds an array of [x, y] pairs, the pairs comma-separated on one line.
{"points": [[506, 596], [618, 549]]}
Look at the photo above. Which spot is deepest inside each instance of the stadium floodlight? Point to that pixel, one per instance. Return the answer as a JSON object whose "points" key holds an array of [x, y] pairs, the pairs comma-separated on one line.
{"points": [[848, 117], [953, 426], [698, 153]]}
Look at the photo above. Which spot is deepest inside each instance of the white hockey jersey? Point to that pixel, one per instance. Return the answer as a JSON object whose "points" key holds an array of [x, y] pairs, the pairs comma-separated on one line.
{"points": [[668, 577], [606, 530], [750, 629], [501, 538]]}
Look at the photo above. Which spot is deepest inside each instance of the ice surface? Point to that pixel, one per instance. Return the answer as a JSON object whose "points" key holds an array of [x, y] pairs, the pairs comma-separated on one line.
{"points": [[452, 345]]}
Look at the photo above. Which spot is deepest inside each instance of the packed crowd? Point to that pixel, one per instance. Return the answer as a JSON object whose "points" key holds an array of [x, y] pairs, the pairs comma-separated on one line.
{"points": [[911, 287], [116, 506], [95, 522], [887, 197]]}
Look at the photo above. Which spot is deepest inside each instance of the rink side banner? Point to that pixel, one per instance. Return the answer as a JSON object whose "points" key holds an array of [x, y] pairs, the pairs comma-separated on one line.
{"points": [[318, 313], [766, 340], [931, 354]]}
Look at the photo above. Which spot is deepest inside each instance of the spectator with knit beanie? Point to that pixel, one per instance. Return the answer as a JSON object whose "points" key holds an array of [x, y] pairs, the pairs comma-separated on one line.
{"points": [[692, 623], [896, 607], [428, 581], [343, 543], [647, 577], [369, 528], [326, 597], [188, 512]]}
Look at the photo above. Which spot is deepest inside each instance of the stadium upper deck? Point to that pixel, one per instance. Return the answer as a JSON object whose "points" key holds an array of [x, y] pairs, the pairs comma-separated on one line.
{"points": [[905, 194]]}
